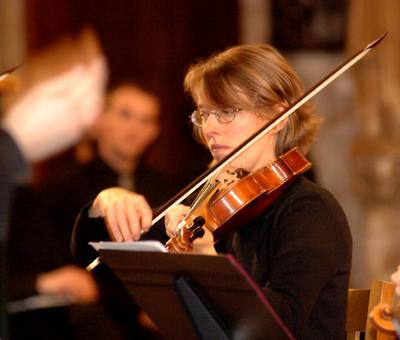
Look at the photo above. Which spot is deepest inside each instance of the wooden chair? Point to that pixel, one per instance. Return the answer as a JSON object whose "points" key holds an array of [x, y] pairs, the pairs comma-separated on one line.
{"points": [[357, 313], [381, 292]]}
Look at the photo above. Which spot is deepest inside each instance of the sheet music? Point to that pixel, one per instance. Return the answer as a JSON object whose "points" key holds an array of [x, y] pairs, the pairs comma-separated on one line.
{"points": [[149, 245], [37, 302]]}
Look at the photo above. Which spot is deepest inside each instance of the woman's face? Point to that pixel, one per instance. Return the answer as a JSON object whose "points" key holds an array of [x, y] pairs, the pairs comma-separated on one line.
{"points": [[222, 138]]}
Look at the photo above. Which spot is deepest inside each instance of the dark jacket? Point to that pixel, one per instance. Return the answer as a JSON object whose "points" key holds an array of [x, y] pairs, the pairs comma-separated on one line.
{"points": [[13, 167], [299, 250]]}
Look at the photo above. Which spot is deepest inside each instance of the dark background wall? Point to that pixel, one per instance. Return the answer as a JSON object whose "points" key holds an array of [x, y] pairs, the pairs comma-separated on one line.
{"points": [[153, 42]]}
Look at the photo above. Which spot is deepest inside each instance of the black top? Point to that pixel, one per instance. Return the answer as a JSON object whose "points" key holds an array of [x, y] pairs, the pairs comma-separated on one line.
{"points": [[13, 167], [299, 250]]}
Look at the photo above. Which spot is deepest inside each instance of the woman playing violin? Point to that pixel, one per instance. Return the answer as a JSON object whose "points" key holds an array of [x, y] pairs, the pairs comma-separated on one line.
{"points": [[299, 248]]}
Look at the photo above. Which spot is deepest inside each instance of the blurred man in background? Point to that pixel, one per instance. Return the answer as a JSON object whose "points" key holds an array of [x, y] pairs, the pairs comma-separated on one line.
{"points": [[42, 220]]}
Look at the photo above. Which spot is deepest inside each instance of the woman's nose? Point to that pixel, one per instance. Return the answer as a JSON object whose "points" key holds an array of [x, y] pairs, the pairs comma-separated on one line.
{"points": [[210, 126]]}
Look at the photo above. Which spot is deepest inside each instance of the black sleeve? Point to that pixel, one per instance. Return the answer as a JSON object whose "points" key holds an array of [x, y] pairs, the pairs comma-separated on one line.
{"points": [[33, 243], [13, 168], [86, 230], [312, 250]]}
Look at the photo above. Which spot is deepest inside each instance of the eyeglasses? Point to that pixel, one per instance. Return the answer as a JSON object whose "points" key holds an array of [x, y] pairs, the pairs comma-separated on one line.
{"points": [[225, 116]]}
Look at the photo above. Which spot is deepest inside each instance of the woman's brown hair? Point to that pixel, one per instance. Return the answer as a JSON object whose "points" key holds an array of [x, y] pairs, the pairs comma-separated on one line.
{"points": [[254, 78]]}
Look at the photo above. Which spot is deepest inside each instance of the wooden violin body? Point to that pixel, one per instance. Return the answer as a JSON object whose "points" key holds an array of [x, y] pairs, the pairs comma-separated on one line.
{"points": [[234, 207], [228, 209]]}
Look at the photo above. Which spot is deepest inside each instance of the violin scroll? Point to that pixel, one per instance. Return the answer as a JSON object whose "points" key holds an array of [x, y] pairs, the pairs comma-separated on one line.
{"points": [[186, 235]]}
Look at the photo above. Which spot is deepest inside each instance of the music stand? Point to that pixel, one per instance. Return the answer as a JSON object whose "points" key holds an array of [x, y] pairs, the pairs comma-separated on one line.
{"points": [[197, 296]]}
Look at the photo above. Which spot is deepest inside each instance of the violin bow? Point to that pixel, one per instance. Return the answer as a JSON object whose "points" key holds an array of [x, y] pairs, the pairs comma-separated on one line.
{"points": [[203, 178], [184, 193]]}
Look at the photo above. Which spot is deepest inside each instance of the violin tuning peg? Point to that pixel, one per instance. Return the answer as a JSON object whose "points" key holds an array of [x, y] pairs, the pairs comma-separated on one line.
{"points": [[198, 233], [198, 222]]}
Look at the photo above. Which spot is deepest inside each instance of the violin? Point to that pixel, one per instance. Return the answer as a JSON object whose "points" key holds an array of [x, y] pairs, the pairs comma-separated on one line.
{"points": [[226, 210]]}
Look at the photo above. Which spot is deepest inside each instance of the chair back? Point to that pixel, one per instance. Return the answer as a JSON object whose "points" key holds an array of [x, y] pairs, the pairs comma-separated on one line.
{"points": [[357, 312]]}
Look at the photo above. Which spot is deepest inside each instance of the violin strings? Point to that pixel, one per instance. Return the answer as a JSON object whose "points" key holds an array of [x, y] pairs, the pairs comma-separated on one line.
{"points": [[205, 190]]}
